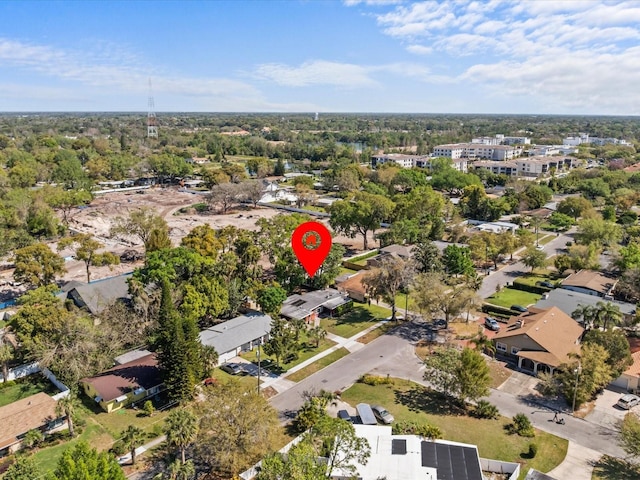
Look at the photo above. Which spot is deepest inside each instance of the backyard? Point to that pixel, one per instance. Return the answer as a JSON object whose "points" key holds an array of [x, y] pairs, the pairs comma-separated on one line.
{"points": [[25, 387], [407, 401]]}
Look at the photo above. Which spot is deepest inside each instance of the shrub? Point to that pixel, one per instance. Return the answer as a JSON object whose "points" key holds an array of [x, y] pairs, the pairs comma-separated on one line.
{"points": [[148, 408], [485, 409], [413, 428], [521, 425], [374, 380], [119, 448]]}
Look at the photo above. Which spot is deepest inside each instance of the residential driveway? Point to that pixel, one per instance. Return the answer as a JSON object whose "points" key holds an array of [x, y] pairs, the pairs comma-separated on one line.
{"points": [[577, 465], [605, 413], [519, 384]]}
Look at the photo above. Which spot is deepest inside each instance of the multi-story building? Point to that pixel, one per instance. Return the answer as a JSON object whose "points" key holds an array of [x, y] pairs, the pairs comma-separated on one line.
{"points": [[540, 166], [400, 159], [506, 168], [584, 138], [500, 139], [473, 151]]}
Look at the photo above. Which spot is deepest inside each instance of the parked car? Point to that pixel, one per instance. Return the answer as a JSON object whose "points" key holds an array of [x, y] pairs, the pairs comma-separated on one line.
{"points": [[382, 415], [546, 284], [344, 415], [627, 402], [233, 369], [519, 308], [491, 324]]}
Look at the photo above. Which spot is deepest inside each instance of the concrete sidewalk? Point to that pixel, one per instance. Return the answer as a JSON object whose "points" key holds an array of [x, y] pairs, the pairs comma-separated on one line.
{"points": [[350, 344], [577, 465]]}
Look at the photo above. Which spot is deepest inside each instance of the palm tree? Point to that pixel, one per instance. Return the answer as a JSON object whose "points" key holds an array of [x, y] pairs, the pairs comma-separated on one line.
{"points": [[133, 438], [473, 281], [181, 471], [316, 334], [586, 314], [66, 407], [181, 428], [608, 312], [484, 344]]}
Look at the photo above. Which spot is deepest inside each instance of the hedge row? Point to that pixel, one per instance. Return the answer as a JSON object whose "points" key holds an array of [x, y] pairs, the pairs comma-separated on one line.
{"points": [[502, 312], [530, 288]]}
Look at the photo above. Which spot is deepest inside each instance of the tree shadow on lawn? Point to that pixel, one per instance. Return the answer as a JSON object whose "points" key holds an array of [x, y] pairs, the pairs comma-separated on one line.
{"points": [[412, 331], [421, 399], [609, 468]]}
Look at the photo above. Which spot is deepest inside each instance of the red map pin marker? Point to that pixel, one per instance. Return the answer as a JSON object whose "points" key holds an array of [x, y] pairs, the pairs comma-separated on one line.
{"points": [[311, 243]]}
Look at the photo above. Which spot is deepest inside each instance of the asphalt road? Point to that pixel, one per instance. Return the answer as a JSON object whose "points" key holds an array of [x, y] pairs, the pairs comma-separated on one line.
{"points": [[393, 354]]}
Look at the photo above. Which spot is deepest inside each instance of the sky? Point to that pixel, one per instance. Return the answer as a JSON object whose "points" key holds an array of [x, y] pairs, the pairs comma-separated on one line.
{"points": [[495, 56]]}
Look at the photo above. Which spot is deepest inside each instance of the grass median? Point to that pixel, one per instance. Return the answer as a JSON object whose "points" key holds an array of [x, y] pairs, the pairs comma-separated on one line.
{"points": [[318, 365]]}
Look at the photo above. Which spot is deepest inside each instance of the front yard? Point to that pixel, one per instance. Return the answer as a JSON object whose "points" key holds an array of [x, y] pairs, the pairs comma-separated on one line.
{"points": [[408, 401], [307, 351], [361, 317], [511, 296]]}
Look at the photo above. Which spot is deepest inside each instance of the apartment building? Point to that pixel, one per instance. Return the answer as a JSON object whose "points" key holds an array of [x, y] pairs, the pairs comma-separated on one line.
{"points": [[541, 166], [478, 151], [508, 168], [402, 160], [584, 138], [500, 139]]}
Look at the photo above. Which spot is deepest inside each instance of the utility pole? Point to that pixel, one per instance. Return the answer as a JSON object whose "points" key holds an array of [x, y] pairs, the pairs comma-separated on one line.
{"points": [[152, 122], [575, 389], [258, 355]]}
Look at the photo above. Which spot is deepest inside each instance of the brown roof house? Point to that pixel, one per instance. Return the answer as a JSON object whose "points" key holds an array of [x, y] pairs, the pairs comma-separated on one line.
{"points": [[35, 412], [630, 378], [125, 384], [352, 286], [540, 339], [591, 283]]}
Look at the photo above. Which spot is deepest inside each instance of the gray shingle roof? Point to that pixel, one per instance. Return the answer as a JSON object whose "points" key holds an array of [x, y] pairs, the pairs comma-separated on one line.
{"points": [[229, 335], [98, 295], [300, 306], [568, 301]]}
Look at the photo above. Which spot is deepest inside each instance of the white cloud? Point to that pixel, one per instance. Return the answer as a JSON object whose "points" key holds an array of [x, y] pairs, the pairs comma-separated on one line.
{"points": [[317, 72], [420, 49]]}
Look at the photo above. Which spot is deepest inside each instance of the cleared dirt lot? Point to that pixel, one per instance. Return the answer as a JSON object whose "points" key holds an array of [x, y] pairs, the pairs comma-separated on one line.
{"points": [[99, 216]]}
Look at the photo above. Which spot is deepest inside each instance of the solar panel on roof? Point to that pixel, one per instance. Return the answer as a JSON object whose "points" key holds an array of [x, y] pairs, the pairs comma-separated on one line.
{"points": [[472, 464], [398, 446], [428, 451]]}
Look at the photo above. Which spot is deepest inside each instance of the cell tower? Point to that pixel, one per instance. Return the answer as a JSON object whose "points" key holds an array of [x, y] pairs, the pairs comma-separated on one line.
{"points": [[152, 121]]}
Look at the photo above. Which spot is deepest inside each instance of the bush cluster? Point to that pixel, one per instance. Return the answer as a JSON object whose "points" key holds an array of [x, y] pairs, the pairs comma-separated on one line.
{"points": [[485, 409], [375, 380], [521, 425], [413, 428]]}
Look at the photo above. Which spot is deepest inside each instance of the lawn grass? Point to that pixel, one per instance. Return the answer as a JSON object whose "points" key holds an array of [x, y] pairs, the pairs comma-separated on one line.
{"points": [[347, 271], [47, 458], [499, 373], [361, 317], [25, 387], [532, 279], [376, 332], [510, 296], [408, 401], [402, 304], [318, 365], [305, 353], [610, 468], [545, 239], [246, 380]]}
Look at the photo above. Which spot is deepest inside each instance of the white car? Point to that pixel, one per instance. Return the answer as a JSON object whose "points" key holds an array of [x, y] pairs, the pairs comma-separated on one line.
{"points": [[628, 401]]}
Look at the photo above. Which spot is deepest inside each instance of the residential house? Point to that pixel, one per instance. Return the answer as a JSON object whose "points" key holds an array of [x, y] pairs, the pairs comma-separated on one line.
{"points": [[402, 457], [402, 252], [122, 385], [237, 335], [540, 339], [97, 295], [309, 306], [568, 301], [630, 378], [590, 282], [352, 286], [35, 412]]}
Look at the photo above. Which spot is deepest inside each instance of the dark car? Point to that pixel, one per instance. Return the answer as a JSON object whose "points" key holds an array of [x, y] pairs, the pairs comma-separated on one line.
{"points": [[440, 323], [519, 308], [491, 324], [546, 284], [344, 415], [233, 369]]}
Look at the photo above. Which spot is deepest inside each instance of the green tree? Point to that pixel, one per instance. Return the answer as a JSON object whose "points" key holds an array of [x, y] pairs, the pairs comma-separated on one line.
{"points": [[140, 223], [340, 445], [300, 463], [180, 471], [229, 443], [599, 231], [608, 312], [441, 368], [86, 249], [617, 346], [427, 257], [574, 206], [66, 407], [457, 260], [387, 280], [433, 297], [473, 376], [561, 221], [270, 299], [586, 314], [7, 354], [629, 256], [594, 373], [360, 216], [629, 438], [36, 265], [316, 335], [66, 200], [282, 340], [181, 429], [82, 462], [178, 349], [24, 468], [534, 258], [133, 437]]}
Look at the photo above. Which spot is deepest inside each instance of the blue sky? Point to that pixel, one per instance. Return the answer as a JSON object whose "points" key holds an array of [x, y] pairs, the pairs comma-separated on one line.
{"points": [[541, 56]]}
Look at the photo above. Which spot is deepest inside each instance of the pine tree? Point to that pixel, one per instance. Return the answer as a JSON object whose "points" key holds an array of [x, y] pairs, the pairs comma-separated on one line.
{"points": [[178, 349]]}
